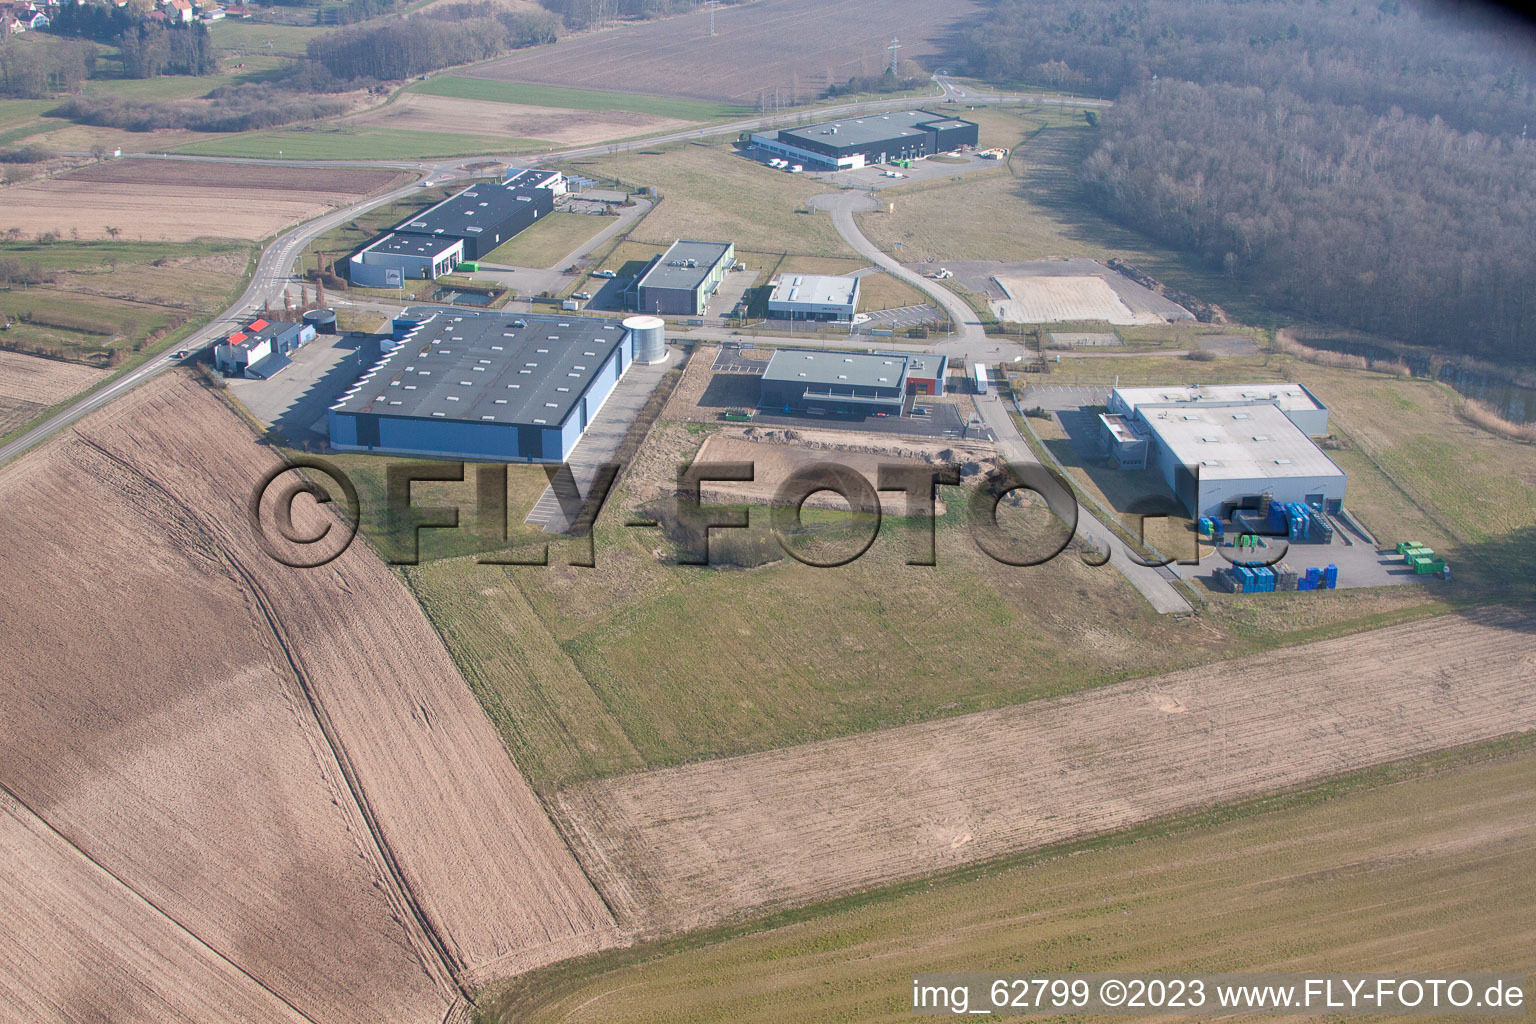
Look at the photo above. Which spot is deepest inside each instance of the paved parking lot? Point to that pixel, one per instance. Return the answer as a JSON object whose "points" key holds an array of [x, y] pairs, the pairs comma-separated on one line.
{"points": [[900, 317], [296, 399], [1057, 397], [928, 169]]}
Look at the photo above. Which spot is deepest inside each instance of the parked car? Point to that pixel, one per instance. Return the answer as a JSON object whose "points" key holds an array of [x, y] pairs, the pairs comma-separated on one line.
{"points": [[604, 273], [582, 295]]}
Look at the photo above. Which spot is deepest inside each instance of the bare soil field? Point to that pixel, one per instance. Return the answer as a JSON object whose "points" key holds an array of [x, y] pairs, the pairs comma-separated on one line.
{"points": [[774, 460], [85, 947], [350, 181], [30, 384], [789, 45], [27, 378], [693, 845], [284, 764], [566, 127], [1035, 300], [157, 201]]}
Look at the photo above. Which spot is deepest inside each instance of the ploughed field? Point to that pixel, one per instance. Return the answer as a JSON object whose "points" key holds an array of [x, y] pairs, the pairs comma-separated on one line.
{"points": [[267, 790], [159, 200], [788, 45], [690, 846]]}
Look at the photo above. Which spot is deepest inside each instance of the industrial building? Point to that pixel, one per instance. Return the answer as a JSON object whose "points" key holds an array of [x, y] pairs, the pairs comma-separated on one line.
{"points": [[465, 226], [260, 348], [840, 384], [1219, 448], [813, 297], [390, 261], [680, 281], [1303, 407], [926, 372], [871, 139], [490, 385]]}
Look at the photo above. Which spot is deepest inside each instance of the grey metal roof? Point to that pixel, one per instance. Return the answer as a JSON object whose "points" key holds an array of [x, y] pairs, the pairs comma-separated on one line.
{"points": [[480, 367], [816, 289], [480, 206], [1253, 442], [870, 128], [414, 245], [665, 275], [927, 364], [838, 369]]}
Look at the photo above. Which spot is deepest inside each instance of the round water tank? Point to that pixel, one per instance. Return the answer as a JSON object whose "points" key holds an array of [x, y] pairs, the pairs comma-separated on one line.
{"points": [[322, 320], [650, 338]]}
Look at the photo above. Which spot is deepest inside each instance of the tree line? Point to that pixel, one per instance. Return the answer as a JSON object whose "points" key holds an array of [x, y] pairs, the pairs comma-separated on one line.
{"points": [[1362, 164], [438, 38], [38, 70]]}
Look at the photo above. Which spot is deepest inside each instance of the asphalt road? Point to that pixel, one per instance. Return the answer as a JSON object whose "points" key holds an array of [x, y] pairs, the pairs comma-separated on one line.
{"points": [[971, 339], [276, 262]]}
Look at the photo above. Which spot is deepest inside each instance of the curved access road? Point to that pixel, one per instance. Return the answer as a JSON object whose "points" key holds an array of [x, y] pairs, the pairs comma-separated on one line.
{"points": [[973, 340], [274, 266]]}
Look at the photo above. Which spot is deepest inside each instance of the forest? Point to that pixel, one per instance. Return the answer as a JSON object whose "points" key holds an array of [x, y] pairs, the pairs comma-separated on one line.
{"points": [[37, 71], [1362, 165], [442, 36]]}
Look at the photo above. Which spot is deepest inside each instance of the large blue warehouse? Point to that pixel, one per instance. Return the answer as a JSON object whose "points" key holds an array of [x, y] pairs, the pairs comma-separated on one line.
{"points": [[484, 385]]}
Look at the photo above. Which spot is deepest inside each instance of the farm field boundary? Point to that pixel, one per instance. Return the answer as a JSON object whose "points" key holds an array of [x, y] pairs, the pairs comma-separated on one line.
{"points": [[830, 817]]}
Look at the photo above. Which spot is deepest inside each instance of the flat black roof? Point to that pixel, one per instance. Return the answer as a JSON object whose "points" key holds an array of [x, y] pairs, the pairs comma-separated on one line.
{"points": [[481, 367], [672, 270], [477, 208]]}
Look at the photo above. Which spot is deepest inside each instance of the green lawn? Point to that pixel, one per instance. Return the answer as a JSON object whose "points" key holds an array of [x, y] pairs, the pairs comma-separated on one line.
{"points": [[713, 192], [346, 142], [576, 99], [239, 38], [549, 240], [109, 296]]}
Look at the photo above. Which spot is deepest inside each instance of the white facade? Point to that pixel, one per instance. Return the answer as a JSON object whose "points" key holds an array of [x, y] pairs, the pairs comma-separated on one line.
{"points": [[771, 144], [814, 297], [391, 260]]}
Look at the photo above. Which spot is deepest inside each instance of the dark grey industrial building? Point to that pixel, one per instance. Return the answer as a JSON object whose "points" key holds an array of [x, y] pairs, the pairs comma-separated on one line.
{"points": [[484, 385], [841, 384], [871, 139], [681, 280], [466, 226], [483, 216]]}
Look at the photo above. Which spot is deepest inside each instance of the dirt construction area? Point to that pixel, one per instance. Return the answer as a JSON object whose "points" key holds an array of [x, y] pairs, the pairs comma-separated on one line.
{"points": [[176, 201], [1060, 290], [267, 792], [772, 44], [420, 112], [685, 847], [775, 456], [30, 384]]}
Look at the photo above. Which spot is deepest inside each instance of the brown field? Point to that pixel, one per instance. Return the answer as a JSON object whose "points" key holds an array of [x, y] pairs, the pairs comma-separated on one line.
{"points": [[351, 181], [689, 846], [282, 767], [160, 201], [790, 45], [30, 384], [424, 113]]}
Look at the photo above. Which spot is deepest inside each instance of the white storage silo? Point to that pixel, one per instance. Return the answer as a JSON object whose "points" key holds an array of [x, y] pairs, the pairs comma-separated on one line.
{"points": [[650, 338]]}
